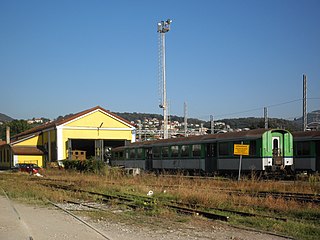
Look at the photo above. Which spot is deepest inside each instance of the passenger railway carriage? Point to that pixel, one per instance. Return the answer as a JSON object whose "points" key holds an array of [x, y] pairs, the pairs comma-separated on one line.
{"points": [[307, 151], [269, 151]]}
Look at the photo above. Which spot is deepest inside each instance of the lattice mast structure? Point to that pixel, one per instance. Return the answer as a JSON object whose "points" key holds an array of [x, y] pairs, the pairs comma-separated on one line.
{"points": [[163, 28]]}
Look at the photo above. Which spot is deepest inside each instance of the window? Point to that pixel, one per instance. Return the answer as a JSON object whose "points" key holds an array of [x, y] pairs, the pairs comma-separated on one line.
{"points": [[165, 152], [120, 155], [185, 151], [127, 154], [252, 148], [224, 149], [196, 150], [139, 153], [303, 148], [156, 152], [132, 153], [174, 151]]}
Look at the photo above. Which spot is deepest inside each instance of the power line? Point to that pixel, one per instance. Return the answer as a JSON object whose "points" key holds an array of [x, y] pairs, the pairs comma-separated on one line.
{"points": [[259, 108]]}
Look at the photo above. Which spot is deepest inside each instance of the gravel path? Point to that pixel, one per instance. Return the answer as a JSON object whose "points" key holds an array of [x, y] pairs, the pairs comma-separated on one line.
{"points": [[19, 221]]}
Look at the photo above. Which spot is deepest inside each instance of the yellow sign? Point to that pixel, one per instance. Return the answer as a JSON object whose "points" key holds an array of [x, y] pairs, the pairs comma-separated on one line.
{"points": [[241, 149]]}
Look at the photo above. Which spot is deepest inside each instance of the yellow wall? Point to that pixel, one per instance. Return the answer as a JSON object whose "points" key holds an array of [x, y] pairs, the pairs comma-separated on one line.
{"points": [[34, 141], [52, 136], [95, 119], [95, 134], [31, 159]]}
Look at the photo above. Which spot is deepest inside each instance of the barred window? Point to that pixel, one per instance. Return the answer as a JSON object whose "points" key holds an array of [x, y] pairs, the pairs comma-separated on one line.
{"points": [[132, 153], [196, 150], [156, 152], [174, 151], [185, 151], [165, 152], [139, 153]]}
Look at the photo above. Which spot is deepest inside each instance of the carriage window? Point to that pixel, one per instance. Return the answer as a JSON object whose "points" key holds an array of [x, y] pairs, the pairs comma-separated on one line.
{"points": [[156, 152], [275, 144], [165, 152], [252, 148], [132, 153], [174, 151], [139, 153], [120, 155], [303, 148], [223, 149], [127, 154], [196, 150], [184, 151]]}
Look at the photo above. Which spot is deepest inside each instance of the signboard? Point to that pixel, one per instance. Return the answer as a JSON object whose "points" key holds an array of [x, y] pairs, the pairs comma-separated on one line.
{"points": [[241, 149]]}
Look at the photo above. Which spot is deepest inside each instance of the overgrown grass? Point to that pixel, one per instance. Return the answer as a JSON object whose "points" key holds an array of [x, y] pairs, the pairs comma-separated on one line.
{"points": [[303, 219]]}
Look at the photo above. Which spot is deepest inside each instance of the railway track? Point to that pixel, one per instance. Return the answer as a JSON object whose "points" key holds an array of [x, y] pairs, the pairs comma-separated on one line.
{"points": [[299, 197], [147, 203]]}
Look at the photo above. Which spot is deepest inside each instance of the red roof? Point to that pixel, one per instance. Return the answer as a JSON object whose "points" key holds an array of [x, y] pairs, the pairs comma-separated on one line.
{"points": [[67, 119], [27, 150]]}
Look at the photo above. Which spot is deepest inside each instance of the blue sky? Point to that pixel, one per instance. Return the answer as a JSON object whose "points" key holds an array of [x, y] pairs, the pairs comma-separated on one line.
{"points": [[224, 58]]}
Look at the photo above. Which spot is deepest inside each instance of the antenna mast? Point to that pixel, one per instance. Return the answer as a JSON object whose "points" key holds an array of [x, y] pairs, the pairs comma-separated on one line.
{"points": [[163, 28]]}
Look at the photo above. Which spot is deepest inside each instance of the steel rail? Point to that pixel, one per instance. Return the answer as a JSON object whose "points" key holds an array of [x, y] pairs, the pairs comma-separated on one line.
{"points": [[80, 220]]}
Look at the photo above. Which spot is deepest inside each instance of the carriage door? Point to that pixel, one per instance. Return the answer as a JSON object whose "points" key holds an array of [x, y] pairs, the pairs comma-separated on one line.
{"points": [[276, 151], [148, 157], [211, 158]]}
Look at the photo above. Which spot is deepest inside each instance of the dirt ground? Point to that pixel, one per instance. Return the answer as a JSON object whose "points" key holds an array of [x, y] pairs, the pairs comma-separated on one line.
{"points": [[20, 221]]}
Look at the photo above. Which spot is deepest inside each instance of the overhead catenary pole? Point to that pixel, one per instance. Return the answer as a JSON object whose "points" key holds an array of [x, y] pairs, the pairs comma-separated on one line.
{"points": [[212, 124], [304, 108], [266, 125], [185, 120], [164, 27]]}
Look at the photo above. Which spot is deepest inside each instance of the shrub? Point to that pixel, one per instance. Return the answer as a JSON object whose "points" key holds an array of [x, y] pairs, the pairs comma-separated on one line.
{"points": [[90, 165]]}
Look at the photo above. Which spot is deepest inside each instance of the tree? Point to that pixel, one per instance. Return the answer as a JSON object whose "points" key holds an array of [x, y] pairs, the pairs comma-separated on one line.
{"points": [[16, 126]]}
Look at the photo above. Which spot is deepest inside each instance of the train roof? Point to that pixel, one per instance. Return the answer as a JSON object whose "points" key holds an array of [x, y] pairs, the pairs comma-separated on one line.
{"points": [[250, 134], [307, 135]]}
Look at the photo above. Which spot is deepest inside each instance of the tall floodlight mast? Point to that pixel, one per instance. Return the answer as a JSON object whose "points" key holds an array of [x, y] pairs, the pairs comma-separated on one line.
{"points": [[163, 28]]}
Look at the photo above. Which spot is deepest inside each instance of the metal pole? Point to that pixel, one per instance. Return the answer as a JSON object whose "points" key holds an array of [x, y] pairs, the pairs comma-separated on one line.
{"points": [[305, 119], [164, 104], [185, 120], [266, 126], [212, 124], [163, 27], [240, 162]]}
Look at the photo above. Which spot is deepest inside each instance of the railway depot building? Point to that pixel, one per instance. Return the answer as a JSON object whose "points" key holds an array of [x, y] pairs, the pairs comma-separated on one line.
{"points": [[85, 135]]}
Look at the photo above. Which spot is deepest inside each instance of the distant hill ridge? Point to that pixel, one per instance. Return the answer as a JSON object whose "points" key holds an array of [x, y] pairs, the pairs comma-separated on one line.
{"points": [[5, 118]]}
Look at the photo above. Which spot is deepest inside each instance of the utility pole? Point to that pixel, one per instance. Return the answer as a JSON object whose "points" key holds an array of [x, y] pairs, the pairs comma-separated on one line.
{"points": [[212, 124], [266, 126], [163, 28], [185, 119], [304, 108]]}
